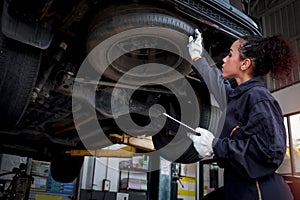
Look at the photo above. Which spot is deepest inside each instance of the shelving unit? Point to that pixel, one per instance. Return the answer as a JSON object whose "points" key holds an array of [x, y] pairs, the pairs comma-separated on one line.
{"points": [[133, 177]]}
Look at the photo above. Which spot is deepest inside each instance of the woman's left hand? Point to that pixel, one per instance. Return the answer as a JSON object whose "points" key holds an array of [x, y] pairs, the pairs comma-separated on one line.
{"points": [[202, 143]]}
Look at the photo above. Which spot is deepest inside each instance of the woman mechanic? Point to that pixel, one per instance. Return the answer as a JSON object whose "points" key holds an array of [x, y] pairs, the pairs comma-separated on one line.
{"points": [[252, 142]]}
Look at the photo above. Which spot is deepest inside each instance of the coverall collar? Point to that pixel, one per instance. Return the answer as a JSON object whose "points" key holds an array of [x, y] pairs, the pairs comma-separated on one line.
{"points": [[256, 81]]}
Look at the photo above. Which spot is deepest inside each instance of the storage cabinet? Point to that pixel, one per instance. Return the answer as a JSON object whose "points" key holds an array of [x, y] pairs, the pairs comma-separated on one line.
{"points": [[133, 179], [133, 176]]}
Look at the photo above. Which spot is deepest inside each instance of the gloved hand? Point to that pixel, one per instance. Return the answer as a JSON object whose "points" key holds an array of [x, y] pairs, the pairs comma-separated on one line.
{"points": [[202, 143], [195, 46]]}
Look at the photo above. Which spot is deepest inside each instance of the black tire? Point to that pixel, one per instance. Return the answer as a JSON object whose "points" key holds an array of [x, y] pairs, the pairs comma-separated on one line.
{"points": [[190, 155], [116, 26], [18, 72], [65, 168]]}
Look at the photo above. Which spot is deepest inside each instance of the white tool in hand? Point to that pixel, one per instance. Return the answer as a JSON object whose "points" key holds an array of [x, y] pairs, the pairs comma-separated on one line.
{"points": [[193, 130]]}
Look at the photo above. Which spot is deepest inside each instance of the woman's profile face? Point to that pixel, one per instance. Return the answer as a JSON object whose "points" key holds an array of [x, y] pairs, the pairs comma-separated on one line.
{"points": [[231, 67]]}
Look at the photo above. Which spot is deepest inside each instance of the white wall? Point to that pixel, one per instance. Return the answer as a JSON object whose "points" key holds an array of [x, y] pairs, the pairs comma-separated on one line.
{"points": [[289, 99], [105, 168]]}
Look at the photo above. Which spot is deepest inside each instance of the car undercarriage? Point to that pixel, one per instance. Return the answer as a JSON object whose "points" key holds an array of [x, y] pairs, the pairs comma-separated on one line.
{"points": [[46, 98]]}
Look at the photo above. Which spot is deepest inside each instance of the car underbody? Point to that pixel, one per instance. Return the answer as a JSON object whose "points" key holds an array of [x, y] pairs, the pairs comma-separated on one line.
{"points": [[46, 99]]}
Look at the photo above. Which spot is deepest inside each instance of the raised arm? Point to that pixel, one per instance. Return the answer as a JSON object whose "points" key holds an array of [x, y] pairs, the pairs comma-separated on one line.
{"points": [[217, 86]]}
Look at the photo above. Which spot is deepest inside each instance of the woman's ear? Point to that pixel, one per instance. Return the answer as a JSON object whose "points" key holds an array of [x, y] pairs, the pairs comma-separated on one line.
{"points": [[246, 63]]}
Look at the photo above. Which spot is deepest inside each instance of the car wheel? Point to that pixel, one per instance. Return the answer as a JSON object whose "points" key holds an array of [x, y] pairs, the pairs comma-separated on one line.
{"points": [[18, 73], [137, 33], [166, 137], [114, 27]]}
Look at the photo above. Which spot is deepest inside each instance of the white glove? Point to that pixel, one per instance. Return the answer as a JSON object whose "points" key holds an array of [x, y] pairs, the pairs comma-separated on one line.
{"points": [[202, 143], [195, 45]]}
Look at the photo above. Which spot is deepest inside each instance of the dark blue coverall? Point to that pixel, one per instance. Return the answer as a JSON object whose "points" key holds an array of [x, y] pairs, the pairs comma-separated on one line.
{"points": [[252, 143]]}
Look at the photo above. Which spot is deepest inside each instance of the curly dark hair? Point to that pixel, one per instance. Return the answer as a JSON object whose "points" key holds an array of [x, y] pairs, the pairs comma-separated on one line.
{"points": [[273, 54]]}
